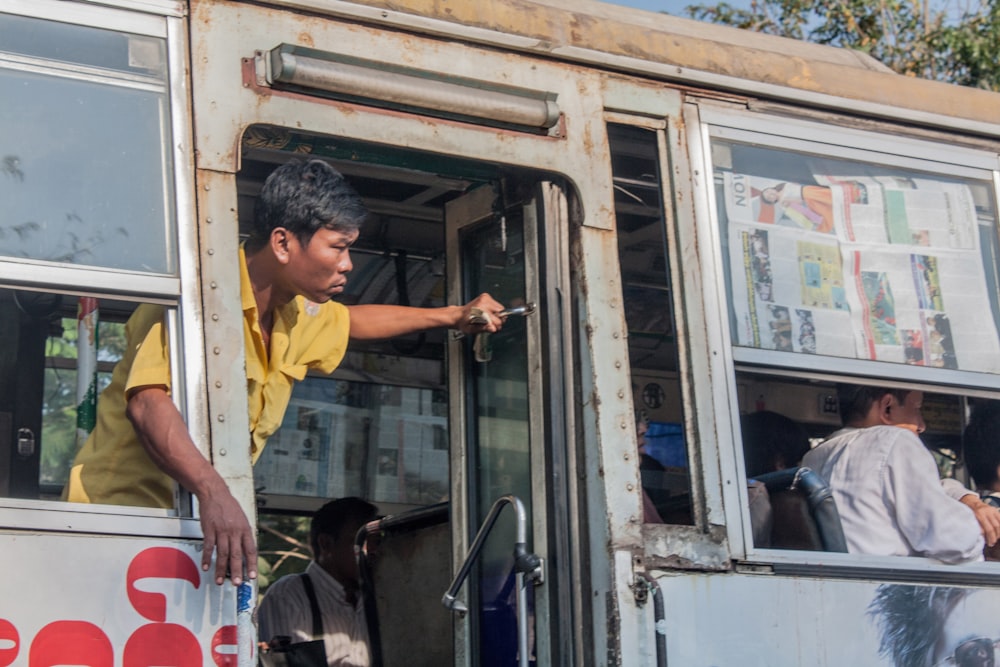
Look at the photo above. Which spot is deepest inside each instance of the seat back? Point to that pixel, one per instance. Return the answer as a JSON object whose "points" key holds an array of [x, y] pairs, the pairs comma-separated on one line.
{"points": [[405, 571], [804, 512]]}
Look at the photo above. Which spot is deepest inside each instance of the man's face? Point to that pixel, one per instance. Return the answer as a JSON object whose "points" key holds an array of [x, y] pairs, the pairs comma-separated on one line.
{"points": [[968, 634], [318, 271], [907, 414]]}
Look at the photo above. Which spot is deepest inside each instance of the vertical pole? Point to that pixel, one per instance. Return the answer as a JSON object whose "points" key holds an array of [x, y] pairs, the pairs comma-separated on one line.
{"points": [[86, 377]]}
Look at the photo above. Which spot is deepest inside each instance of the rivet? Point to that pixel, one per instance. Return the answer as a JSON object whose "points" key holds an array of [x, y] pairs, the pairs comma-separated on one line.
{"points": [[222, 452], [218, 384], [630, 486], [215, 317], [213, 284], [216, 350], [222, 418], [211, 252]]}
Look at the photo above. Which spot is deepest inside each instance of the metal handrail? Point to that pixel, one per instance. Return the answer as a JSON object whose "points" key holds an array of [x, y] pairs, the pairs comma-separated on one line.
{"points": [[526, 565]]}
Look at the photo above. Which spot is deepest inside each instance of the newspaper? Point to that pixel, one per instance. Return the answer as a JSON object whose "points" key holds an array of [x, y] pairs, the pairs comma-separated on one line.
{"points": [[886, 268]]}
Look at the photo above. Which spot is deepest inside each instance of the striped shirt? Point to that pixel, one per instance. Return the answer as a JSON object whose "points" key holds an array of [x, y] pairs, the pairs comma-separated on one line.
{"points": [[285, 611]]}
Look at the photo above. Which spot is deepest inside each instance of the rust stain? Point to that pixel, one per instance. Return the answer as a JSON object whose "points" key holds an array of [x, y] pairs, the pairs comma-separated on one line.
{"points": [[717, 50]]}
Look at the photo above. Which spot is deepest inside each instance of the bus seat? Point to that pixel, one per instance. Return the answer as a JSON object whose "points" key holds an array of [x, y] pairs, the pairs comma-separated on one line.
{"points": [[804, 513], [405, 565]]}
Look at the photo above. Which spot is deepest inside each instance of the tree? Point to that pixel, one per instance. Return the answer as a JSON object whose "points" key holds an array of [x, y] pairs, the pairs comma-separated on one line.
{"points": [[909, 36]]}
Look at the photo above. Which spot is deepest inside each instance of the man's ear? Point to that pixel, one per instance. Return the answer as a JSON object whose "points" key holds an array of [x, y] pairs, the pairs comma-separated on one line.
{"points": [[325, 543], [279, 240], [885, 406]]}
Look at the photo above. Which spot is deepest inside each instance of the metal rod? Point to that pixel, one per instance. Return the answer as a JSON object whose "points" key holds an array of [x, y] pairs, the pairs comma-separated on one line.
{"points": [[451, 602]]}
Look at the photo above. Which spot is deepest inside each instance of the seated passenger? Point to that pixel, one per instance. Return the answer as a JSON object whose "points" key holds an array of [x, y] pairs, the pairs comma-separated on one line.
{"points": [[885, 482], [646, 462], [286, 616], [982, 457], [771, 441]]}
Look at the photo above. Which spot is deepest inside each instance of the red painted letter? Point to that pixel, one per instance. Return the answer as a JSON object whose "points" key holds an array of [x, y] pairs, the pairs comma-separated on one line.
{"points": [[71, 643], [10, 643], [160, 563], [224, 637], [162, 644]]}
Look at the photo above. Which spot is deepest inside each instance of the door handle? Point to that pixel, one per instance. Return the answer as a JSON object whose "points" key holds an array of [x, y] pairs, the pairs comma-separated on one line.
{"points": [[481, 349]]}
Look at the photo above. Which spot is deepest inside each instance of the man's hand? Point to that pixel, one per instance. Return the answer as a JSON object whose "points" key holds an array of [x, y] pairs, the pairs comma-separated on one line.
{"points": [[228, 533], [479, 315], [987, 516]]}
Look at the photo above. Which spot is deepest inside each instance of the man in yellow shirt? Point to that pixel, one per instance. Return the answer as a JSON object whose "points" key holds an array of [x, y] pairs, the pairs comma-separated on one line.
{"points": [[296, 259]]}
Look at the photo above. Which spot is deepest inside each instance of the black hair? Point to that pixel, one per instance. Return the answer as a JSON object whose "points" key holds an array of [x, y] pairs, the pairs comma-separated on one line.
{"points": [[910, 620], [772, 441], [335, 516], [856, 400], [303, 197], [981, 443]]}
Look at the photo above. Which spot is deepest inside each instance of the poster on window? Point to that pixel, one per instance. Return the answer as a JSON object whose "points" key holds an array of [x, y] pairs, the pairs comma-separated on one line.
{"points": [[880, 268]]}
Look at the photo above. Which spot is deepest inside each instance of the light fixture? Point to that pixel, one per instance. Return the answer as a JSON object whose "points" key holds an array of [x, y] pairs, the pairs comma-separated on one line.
{"points": [[431, 93]]}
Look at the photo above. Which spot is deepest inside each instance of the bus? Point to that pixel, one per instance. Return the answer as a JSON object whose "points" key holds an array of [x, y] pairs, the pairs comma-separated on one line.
{"points": [[698, 224]]}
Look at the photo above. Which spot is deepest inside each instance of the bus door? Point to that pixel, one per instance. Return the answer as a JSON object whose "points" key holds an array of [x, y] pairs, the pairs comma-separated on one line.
{"points": [[499, 428]]}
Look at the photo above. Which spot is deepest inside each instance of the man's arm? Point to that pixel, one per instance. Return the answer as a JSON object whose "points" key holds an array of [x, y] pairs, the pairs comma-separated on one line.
{"points": [[987, 515], [934, 523], [165, 437], [376, 321]]}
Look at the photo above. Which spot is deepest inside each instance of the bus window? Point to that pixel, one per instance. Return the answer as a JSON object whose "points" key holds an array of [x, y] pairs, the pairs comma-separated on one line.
{"points": [[86, 183], [90, 208], [837, 257], [844, 265], [647, 295], [61, 350]]}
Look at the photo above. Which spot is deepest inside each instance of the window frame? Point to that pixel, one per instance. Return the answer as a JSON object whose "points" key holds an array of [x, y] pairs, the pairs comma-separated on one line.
{"points": [[709, 123], [180, 291]]}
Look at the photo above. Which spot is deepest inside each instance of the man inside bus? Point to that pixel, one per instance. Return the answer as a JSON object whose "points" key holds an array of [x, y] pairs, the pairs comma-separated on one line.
{"points": [[981, 445], [886, 485], [296, 259], [286, 614]]}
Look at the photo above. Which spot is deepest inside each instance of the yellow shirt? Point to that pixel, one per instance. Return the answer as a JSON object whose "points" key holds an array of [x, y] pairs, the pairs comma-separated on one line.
{"points": [[113, 468]]}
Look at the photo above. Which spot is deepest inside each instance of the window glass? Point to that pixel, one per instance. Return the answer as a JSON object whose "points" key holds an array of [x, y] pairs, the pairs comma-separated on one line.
{"points": [[72, 359], [648, 298], [855, 259], [344, 438], [59, 351], [86, 166]]}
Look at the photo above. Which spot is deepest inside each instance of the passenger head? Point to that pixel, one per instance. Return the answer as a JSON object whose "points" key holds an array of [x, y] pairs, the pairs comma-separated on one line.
{"points": [[772, 441], [303, 197], [982, 445], [332, 533], [864, 406], [641, 428], [916, 624]]}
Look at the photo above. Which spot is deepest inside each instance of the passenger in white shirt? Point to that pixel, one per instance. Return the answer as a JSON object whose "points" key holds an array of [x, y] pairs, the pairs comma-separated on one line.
{"points": [[885, 482], [285, 611]]}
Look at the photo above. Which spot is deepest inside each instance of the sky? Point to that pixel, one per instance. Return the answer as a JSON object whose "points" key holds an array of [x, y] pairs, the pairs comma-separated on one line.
{"points": [[954, 8], [675, 7]]}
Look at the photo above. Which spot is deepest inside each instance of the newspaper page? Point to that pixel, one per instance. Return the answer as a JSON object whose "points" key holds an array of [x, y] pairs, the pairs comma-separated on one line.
{"points": [[881, 267]]}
